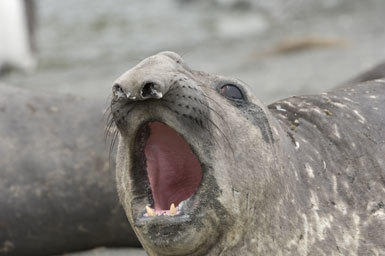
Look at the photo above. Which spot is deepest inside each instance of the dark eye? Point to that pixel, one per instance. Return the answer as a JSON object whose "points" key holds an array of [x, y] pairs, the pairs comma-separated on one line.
{"points": [[232, 92]]}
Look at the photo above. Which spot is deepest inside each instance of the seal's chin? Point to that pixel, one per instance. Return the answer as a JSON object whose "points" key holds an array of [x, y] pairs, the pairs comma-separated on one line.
{"points": [[169, 171]]}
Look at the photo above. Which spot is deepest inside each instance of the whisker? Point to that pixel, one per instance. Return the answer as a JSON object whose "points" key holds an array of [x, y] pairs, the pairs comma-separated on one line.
{"points": [[111, 133], [215, 125], [112, 145], [222, 133], [214, 101], [110, 122], [107, 132], [216, 112]]}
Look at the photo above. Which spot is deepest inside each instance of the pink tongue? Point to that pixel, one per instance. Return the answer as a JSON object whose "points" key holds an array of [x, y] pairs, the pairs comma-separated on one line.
{"points": [[172, 168]]}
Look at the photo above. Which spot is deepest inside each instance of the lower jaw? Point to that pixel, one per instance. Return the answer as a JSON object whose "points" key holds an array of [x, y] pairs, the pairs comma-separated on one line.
{"points": [[193, 229], [165, 236], [182, 235], [165, 232]]}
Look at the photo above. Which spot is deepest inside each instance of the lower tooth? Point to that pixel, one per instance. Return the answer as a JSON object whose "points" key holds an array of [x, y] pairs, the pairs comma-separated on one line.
{"points": [[173, 210], [150, 211]]}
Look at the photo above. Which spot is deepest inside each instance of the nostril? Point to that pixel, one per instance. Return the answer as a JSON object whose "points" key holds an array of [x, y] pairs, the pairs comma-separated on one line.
{"points": [[118, 92], [117, 88], [150, 90], [147, 89]]}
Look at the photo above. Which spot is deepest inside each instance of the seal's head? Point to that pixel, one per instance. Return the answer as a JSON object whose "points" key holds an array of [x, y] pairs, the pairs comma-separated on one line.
{"points": [[191, 148]]}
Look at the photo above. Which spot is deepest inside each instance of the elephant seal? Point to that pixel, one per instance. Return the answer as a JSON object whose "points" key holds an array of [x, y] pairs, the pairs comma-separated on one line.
{"points": [[204, 168], [57, 192]]}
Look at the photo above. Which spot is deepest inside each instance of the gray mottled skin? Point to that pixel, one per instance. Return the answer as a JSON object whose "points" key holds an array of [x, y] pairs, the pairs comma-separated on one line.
{"points": [[57, 193], [303, 176]]}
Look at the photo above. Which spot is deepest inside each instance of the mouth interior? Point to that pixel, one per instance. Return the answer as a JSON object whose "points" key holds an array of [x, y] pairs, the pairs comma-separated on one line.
{"points": [[173, 170]]}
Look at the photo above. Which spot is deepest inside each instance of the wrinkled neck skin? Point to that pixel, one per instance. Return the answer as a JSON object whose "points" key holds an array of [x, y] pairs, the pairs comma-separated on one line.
{"points": [[262, 184]]}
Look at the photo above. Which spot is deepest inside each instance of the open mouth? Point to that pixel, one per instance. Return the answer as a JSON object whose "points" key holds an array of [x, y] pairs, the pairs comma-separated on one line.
{"points": [[172, 169]]}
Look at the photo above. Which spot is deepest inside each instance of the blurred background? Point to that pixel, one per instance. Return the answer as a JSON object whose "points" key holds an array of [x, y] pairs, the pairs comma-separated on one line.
{"points": [[278, 47]]}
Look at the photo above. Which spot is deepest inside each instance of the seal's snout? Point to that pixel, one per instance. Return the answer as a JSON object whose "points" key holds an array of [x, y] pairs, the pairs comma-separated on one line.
{"points": [[150, 79]]}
